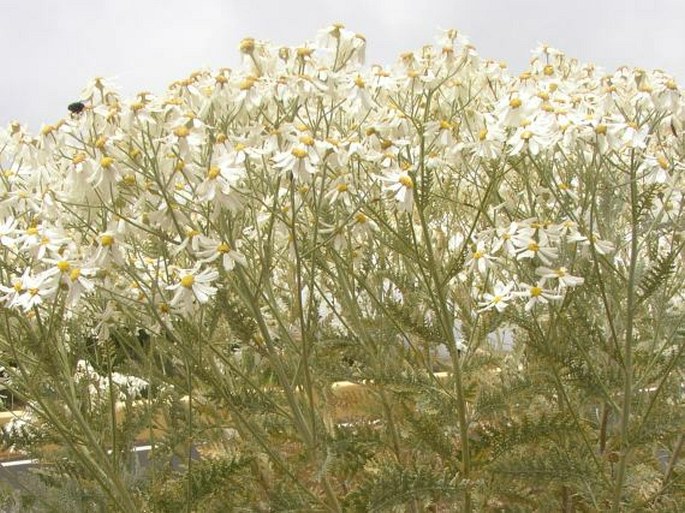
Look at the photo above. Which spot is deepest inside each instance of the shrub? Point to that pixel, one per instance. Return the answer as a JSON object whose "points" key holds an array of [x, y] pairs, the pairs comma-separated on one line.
{"points": [[497, 257]]}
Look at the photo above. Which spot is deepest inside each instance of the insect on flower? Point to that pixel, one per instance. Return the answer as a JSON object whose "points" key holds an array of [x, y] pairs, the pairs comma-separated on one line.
{"points": [[76, 108]]}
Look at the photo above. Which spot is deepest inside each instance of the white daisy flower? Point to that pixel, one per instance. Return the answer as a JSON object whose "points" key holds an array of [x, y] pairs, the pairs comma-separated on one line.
{"points": [[193, 286], [401, 186]]}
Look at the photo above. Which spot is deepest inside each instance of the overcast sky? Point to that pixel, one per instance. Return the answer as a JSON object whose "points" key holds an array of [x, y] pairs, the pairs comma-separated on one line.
{"points": [[50, 49]]}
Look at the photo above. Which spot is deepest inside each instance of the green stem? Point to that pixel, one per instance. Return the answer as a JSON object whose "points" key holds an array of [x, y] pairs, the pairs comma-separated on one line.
{"points": [[446, 321], [628, 347], [304, 331], [251, 301], [189, 481]]}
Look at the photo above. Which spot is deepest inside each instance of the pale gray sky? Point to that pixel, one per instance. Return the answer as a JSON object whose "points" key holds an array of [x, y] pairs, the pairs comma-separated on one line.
{"points": [[50, 49]]}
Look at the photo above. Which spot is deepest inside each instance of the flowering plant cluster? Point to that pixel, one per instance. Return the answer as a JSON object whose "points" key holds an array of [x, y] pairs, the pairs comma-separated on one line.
{"points": [[305, 198]]}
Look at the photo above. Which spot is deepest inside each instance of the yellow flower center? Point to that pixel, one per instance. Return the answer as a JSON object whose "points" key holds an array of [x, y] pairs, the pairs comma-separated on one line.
{"points": [[548, 70], [32, 231], [299, 153], [63, 266], [213, 173], [181, 132], [106, 162], [515, 103], [223, 248], [247, 83], [561, 272], [385, 144], [17, 286], [406, 181], [307, 140], [247, 45], [535, 291], [304, 51], [106, 240], [483, 134], [341, 187], [534, 247], [360, 218], [187, 281], [359, 82], [445, 125], [601, 129], [526, 135], [478, 255], [75, 274], [100, 142], [663, 163], [78, 157]]}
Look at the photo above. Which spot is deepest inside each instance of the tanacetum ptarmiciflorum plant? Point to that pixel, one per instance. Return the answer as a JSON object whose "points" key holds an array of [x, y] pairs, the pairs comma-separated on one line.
{"points": [[497, 258]]}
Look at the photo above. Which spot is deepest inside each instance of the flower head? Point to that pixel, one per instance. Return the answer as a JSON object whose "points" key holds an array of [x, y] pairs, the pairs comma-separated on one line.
{"points": [[401, 186], [192, 287]]}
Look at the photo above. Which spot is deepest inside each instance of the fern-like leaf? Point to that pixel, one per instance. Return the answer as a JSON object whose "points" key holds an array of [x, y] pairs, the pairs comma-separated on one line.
{"points": [[657, 275]]}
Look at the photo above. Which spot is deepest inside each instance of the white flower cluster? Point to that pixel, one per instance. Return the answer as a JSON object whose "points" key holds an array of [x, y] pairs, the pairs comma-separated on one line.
{"points": [[125, 387], [22, 430], [26, 429], [155, 200]]}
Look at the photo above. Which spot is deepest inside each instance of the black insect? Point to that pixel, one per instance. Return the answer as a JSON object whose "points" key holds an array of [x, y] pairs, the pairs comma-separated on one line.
{"points": [[76, 107]]}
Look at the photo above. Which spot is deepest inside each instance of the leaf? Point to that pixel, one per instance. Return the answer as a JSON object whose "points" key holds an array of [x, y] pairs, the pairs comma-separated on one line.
{"points": [[657, 275]]}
